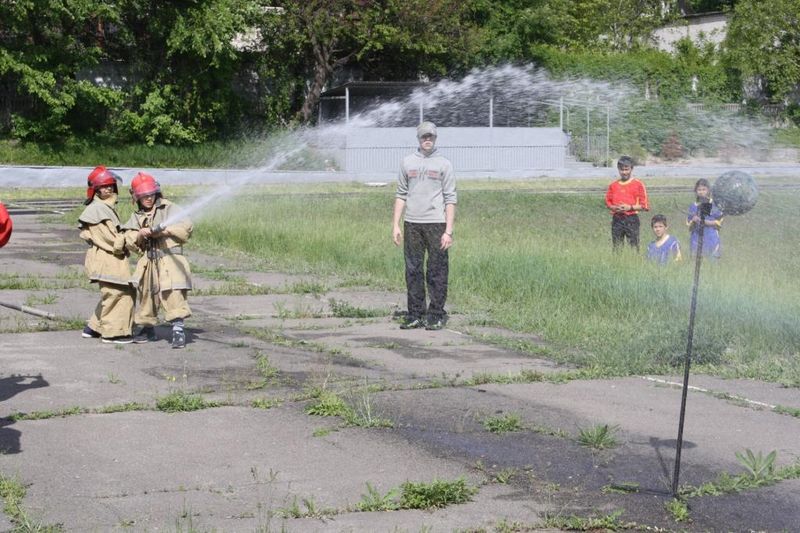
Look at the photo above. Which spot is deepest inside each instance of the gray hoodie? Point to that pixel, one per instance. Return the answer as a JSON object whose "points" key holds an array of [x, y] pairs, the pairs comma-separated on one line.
{"points": [[427, 184]]}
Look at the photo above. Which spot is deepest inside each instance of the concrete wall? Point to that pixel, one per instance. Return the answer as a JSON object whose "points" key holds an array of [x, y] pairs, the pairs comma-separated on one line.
{"points": [[369, 150], [711, 27]]}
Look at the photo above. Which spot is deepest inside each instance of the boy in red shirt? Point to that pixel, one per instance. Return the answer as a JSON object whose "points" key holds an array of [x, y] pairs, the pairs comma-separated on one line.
{"points": [[625, 198]]}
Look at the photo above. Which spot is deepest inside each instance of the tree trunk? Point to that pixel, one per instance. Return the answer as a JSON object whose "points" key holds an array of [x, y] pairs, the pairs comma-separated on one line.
{"points": [[322, 71]]}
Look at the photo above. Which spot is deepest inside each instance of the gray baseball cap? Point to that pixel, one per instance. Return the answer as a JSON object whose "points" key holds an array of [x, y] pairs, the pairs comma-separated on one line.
{"points": [[426, 128]]}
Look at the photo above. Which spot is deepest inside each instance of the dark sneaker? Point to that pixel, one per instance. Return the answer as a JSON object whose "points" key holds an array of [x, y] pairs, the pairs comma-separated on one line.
{"points": [[412, 323], [89, 333], [127, 339], [178, 339], [435, 324], [148, 334]]}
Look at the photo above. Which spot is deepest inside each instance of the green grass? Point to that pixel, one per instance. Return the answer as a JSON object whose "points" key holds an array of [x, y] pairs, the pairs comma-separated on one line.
{"points": [[342, 309], [435, 494], [541, 264], [180, 401], [760, 472], [86, 152], [503, 424], [355, 409], [609, 522], [13, 493], [599, 437]]}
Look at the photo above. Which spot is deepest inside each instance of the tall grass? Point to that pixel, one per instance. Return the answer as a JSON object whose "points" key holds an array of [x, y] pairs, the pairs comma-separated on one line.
{"points": [[248, 152], [542, 264]]}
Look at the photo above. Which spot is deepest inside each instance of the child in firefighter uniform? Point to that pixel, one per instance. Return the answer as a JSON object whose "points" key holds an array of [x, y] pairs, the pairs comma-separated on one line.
{"points": [[107, 260], [163, 278], [6, 225]]}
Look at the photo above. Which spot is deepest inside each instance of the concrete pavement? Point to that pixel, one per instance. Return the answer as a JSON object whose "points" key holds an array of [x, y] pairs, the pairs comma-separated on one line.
{"points": [[95, 453]]}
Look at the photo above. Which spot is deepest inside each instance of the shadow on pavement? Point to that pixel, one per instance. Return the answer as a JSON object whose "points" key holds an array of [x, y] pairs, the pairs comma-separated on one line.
{"points": [[10, 386]]}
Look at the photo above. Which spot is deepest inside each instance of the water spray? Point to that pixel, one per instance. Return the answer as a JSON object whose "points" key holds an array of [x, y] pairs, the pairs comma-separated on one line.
{"points": [[518, 90], [226, 189], [735, 193]]}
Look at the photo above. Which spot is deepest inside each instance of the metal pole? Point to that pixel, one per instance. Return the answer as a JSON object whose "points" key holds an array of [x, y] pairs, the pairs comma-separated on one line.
{"points": [[704, 209], [587, 130], [561, 113], [347, 105], [421, 112], [491, 111], [608, 134]]}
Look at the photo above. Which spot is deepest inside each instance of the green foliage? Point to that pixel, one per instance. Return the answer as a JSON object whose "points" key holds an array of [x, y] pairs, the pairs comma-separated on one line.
{"points": [[758, 466], [678, 509], [373, 500], [180, 401], [785, 410], [762, 47], [599, 437], [155, 121], [436, 494], [265, 403], [503, 424], [13, 493], [343, 309], [760, 472], [328, 404], [609, 522], [121, 408], [625, 487], [44, 415]]}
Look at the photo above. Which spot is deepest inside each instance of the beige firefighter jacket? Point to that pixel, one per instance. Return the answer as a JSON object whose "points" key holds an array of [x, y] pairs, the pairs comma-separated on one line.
{"points": [[107, 257], [162, 259]]}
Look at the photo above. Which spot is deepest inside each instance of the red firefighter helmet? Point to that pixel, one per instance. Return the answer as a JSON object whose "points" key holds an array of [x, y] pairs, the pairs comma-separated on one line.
{"points": [[144, 184], [100, 177]]}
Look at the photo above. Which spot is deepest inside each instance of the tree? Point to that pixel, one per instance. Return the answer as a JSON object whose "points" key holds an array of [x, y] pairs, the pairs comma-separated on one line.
{"points": [[762, 47], [42, 47], [407, 33]]}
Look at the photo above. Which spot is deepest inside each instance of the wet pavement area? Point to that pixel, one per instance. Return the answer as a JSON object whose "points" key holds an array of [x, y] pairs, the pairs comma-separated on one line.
{"points": [[86, 429]]}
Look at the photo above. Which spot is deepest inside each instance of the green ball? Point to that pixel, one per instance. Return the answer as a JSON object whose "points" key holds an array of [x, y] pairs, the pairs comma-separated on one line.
{"points": [[735, 192]]}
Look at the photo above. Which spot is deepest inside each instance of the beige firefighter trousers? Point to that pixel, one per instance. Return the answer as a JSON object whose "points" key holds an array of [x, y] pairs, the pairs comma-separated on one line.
{"points": [[174, 304], [113, 316]]}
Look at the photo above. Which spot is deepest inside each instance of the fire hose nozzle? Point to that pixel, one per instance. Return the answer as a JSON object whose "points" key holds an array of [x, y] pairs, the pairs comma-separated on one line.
{"points": [[160, 228]]}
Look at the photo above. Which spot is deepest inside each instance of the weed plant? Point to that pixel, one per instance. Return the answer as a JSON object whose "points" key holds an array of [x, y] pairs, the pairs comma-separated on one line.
{"points": [[678, 509], [760, 471], [373, 500], [357, 410], [342, 309], [542, 263], [609, 522], [436, 494], [599, 437], [13, 493], [180, 401], [503, 424]]}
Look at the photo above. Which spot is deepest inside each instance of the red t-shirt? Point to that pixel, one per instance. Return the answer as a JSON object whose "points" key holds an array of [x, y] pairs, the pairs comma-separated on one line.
{"points": [[5, 226], [631, 192]]}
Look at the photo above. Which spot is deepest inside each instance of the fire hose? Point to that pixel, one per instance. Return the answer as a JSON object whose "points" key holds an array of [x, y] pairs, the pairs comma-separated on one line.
{"points": [[30, 310]]}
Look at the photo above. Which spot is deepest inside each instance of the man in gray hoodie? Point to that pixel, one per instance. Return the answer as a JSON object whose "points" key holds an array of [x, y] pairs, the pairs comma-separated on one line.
{"points": [[426, 191]]}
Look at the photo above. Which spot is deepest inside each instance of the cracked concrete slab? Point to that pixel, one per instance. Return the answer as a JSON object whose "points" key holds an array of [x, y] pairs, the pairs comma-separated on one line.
{"points": [[232, 468], [152, 469]]}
